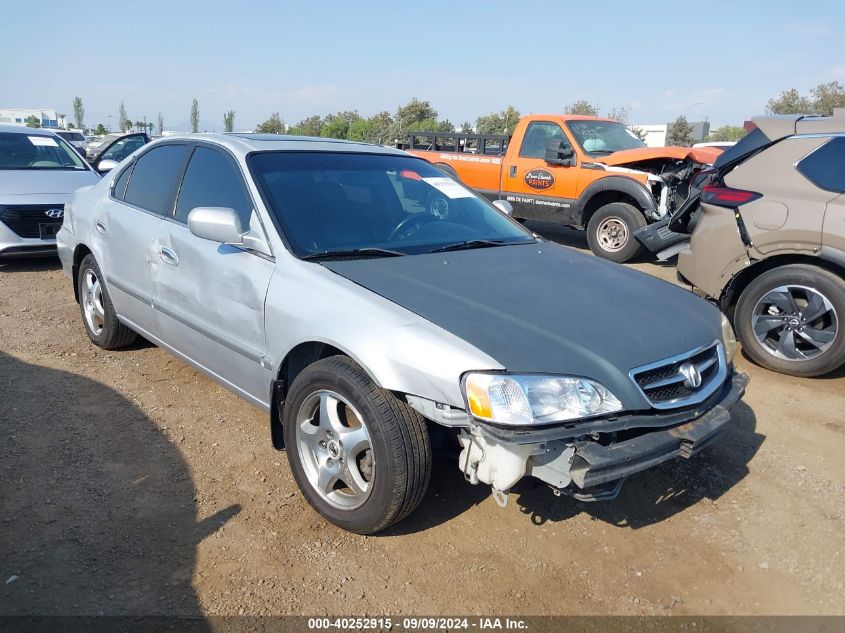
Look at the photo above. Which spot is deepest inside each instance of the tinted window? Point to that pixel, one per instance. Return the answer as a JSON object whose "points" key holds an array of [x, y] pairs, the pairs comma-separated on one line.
{"points": [[120, 185], [212, 181], [154, 178], [747, 145], [122, 148], [826, 166], [537, 138]]}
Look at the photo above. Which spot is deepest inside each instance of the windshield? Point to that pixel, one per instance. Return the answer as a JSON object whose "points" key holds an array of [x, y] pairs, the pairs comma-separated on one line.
{"points": [[603, 137], [327, 202], [70, 136], [37, 151]]}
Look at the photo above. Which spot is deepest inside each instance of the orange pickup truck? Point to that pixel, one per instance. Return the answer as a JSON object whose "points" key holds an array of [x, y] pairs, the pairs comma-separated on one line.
{"points": [[580, 171]]}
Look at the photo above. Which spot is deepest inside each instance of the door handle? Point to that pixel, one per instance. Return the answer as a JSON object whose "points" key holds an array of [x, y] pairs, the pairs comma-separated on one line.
{"points": [[168, 256], [100, 226], [513, 171]]}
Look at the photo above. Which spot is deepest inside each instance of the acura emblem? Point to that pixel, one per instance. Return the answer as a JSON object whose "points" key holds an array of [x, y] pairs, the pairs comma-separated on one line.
{"points": [[55, 213], [691, 375]]}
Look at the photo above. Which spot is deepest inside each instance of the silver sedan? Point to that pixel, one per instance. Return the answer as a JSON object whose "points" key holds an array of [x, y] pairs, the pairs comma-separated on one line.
{"points": [[370, 304]]}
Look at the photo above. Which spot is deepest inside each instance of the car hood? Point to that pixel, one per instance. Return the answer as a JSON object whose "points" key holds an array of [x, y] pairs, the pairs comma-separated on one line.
{"points": [[19, 182], [706, 155], [545, 308]]}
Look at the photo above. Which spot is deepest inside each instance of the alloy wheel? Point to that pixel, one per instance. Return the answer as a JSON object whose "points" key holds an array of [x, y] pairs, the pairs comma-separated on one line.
{"points": [[795, 322], [92, 298]]}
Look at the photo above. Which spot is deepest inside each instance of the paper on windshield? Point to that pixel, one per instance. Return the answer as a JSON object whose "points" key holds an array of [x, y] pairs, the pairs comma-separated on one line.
{"points": [[44, 141], [448, 187]]}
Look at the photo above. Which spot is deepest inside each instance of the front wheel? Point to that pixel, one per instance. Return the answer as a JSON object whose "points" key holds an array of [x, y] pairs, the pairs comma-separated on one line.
{"points": [[790, 320], [98, 314], [610, 231], [361, 456]]}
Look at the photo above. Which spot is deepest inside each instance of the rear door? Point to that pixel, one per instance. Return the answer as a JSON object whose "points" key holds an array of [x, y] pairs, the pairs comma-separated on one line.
{"points": [[825, 168], [126, 224], [209, 297], [536, 189]]}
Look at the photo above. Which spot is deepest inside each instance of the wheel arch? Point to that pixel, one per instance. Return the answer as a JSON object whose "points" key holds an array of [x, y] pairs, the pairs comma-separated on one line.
{"points": [[297, 359], [79, 254], [615, 189], [739, 282]]}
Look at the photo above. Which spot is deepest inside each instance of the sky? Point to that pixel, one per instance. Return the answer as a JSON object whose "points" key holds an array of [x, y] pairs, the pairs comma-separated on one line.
{"points": [[716, 60]]}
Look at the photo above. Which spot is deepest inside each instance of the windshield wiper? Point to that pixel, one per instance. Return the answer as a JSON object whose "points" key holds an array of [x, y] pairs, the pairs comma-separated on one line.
{"points": [[355, 252], [460, 246]]}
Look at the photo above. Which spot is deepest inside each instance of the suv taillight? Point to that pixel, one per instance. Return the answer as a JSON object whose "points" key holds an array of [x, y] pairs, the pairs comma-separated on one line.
{"points": [[727, 196]]}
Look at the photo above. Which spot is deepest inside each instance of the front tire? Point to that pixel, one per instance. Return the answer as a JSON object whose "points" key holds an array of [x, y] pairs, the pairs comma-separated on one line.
{"points": [[610, 231], [792, 320], [361, 456], [98, 314]]}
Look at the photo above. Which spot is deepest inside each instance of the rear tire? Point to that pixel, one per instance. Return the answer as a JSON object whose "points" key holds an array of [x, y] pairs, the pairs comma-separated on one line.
{"points": [[361, 456], [610, 231], [98, 314], [791, 320]]}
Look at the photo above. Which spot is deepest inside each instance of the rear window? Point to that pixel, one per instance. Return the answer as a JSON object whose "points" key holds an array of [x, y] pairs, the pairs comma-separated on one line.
{"points": [[747, 145], [825, 167], [71, 136]]}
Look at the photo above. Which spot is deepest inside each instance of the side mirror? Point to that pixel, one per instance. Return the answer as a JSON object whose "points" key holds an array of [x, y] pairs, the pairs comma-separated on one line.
{"points": [[560, 153], [218, 224], [106, 165], [504, 206], [222, 224]]}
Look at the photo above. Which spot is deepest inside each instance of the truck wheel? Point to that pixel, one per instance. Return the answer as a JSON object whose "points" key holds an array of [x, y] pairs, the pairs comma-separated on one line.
{"points": [[361, 456], [610, 232], [98, 315], [790, 320]]}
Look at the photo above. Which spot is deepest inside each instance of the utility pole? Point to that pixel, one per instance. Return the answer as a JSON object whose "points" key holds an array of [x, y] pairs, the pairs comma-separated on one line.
{"points": [[109, 123]]}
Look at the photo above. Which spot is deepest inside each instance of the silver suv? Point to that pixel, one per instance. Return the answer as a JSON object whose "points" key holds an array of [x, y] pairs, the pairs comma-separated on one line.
{"points": [[314, 279]]}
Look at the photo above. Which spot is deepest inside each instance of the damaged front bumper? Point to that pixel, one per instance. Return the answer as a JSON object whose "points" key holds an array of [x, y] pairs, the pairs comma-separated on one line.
{"points": [[592, 464]]}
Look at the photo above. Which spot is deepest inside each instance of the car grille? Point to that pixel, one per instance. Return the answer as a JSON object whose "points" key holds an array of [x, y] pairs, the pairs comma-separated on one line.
{"points": [[26, 220], [672, 382]]}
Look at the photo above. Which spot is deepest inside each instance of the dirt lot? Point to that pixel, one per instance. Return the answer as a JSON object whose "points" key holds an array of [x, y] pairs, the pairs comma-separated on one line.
{"points": [[132, 484]]}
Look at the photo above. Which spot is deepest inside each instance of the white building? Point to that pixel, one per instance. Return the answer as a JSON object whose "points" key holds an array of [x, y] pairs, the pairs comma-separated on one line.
{"points": [[46, 117], [655, 135]]}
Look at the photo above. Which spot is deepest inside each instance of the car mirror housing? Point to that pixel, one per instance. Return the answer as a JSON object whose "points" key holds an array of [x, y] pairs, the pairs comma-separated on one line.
{"points": [[504, 206], [217, 224], [106, 165], [559, 153]]}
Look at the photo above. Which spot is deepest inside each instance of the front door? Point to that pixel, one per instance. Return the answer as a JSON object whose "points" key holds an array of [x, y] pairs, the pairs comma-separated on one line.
{"points": [[536, 189], [209, 297]]}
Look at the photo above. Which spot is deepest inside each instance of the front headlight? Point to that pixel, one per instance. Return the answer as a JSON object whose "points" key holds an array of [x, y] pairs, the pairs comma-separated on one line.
{"points": [[728, 339], [521, 400]]}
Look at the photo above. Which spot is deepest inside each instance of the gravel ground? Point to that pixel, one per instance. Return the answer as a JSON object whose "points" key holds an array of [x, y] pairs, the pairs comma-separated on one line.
{"points": [[131, 484]]}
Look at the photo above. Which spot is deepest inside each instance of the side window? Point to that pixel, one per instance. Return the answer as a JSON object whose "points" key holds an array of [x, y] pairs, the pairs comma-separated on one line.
{"points": [[154, 178], [537, 138], [825, 167], [212, 181], [122, 148], [119, 187]]}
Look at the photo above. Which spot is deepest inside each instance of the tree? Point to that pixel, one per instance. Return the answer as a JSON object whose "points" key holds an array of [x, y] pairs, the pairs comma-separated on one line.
{"points": [[32, 121], [466, 128], [828, 96], [680, 133], [229, 121], [122, 119], [79, 112], [582, 106], [619, 114], [141, 125], [160, 124], [195, 116], [728, 133], [789, 102], [273, 125], [502, 122], [100, 130], [378, 128], [150, 127], [638, 132], [311, 126]]}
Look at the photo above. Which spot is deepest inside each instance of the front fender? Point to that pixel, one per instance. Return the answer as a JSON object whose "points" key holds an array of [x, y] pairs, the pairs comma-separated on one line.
{"points": [[400, 350], [624, 185]]}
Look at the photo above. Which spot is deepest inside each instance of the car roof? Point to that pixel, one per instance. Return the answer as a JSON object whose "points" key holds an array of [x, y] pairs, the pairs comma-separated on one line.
{"points": [[244, 143], [779, 126], [29, 131]]}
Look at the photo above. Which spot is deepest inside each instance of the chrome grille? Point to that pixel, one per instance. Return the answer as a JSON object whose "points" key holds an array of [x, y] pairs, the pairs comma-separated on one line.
{"points": [[682, 380]]}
